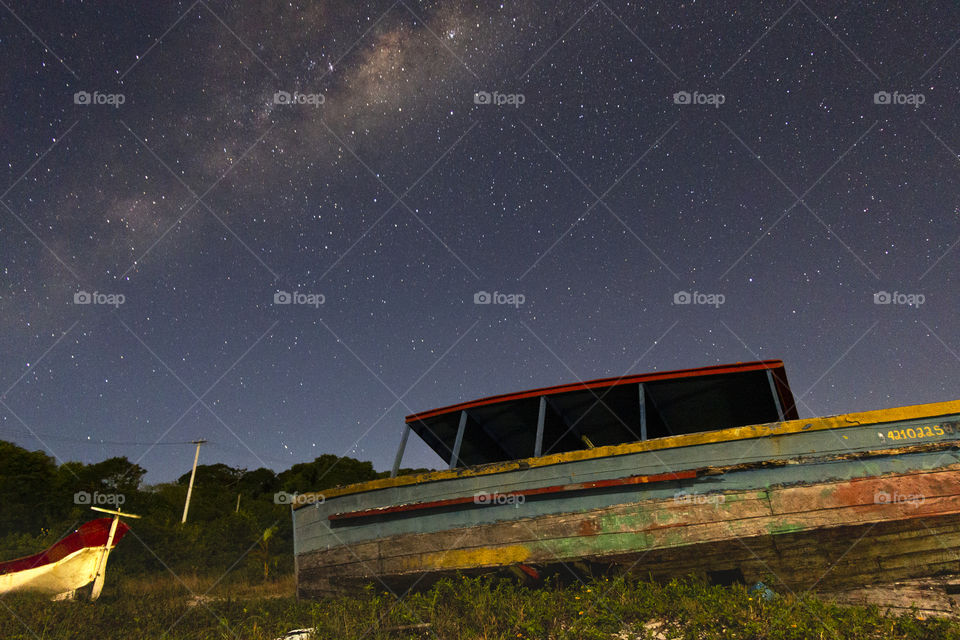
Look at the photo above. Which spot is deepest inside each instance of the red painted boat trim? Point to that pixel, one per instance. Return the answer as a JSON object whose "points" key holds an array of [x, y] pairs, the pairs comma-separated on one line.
{"points": [[560, 488], [90, 534], [530, 571], [774, 365]]}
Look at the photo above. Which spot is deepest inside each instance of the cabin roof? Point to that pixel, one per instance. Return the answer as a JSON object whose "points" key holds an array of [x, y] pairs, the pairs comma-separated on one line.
{"points": [[607, 411]]}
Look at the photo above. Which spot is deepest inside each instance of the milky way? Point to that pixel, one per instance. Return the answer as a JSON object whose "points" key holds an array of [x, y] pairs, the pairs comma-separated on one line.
{"points": [[644, 187]]}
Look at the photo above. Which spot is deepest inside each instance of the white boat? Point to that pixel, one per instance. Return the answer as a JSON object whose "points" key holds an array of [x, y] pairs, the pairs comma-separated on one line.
{"points": [[74, 561]]}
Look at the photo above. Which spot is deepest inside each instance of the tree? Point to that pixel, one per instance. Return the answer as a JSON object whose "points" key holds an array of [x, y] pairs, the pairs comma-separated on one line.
{"points": [[29, 492], [324, 472]]}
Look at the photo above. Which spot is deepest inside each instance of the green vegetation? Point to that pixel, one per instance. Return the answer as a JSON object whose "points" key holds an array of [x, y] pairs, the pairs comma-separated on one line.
{"points": [[458, 608]]}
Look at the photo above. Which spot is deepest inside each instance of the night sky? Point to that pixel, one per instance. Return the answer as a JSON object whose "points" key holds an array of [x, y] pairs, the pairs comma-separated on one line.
{"points": [[150, 157]]}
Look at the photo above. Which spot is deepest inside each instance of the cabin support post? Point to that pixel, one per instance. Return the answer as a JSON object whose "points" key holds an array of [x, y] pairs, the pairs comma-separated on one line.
{"points": [[399, 456], [776, 396], [541, 419], [456, 444], [643, 411]]}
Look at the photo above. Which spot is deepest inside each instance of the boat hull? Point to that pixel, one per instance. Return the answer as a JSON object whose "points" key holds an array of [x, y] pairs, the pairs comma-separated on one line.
{"points": [[824, 535], [69, 564], [827, 509], [63, 576]]}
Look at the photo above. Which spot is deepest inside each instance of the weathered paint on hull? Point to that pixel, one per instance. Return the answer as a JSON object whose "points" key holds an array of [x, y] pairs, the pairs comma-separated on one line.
{"points": [[762, 499], [825, 535], [802, 457]]}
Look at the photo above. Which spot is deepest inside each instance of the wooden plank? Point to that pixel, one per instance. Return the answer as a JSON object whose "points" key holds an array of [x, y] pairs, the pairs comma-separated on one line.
{"points": [[540, 491], [536, 509], [756, 561], [541, 423]]}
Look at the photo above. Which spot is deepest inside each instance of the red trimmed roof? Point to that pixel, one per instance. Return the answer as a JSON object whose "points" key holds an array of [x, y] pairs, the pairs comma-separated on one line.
{"points": [[601, 383]]}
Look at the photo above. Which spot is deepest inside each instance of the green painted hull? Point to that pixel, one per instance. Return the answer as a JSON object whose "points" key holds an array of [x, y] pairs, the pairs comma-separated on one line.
{"points": [[807, 504]]}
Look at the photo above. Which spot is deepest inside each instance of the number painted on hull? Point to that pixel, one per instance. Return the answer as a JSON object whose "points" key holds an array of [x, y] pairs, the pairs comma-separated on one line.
{"points": [[926, 431]]}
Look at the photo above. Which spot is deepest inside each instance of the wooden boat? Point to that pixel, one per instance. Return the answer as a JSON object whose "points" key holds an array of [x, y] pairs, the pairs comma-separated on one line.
{"points": [[706, 470], [74, 561]]}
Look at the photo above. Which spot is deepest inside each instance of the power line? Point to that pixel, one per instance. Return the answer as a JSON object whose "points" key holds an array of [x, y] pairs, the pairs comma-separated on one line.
{"points": [[46, 436]]}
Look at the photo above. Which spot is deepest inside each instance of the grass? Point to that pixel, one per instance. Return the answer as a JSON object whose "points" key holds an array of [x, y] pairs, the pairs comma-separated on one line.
{"points": [[461, 608]]}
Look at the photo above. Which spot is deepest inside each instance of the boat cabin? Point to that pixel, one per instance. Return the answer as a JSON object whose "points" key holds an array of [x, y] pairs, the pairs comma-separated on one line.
{"points": [[608, 411]]}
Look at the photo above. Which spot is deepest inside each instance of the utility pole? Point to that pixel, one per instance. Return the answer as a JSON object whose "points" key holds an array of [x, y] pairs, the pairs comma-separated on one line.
{"points": [[186, 505]]}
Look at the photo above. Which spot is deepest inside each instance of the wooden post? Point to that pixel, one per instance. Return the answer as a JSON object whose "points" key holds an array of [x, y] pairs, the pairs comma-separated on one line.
{"points": [[456, 445], [186, 505], [776, 396], [102, 562], [643, 412], [541, 419], [399, 456], [102, 565]]}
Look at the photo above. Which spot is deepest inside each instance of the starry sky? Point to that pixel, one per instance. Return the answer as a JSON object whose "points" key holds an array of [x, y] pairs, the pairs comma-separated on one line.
{"points": [[644, 186]]}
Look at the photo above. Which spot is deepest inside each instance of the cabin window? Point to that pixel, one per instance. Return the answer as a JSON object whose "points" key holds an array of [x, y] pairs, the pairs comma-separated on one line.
{"points": [[613, 413]]}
